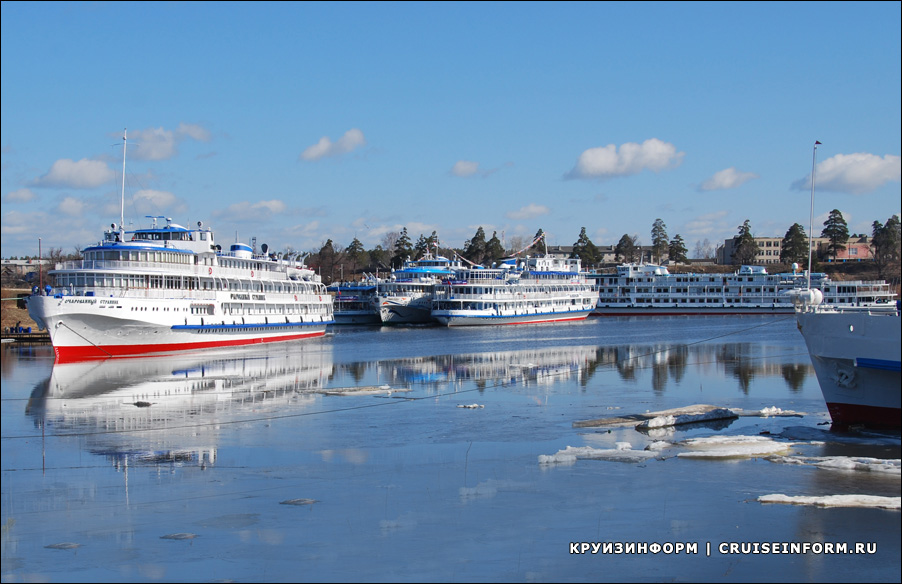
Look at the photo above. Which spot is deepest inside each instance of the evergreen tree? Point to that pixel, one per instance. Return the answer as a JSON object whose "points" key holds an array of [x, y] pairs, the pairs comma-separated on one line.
{"points": [[659, 243], [539, 243], [794, 248], [744, 247], [493, 249], [327, 258], [586, 251], [475, 249], [356, 256], [403, 250], [676, 251], [837, 233], [886, 244], [625, 250]]}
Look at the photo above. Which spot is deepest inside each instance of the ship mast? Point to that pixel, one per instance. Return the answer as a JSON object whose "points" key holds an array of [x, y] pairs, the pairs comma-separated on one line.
{"points": [[122, 201], [811, 211]]}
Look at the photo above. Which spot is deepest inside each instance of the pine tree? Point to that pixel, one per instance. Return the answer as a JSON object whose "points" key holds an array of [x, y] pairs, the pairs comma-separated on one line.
{"points": [[586, 251], [475, 249], [837, 233], [886, 244], [494, 251], [676, 251], [625, 250], [744, 247], [794, 247], [403, 250], [659, 243]]}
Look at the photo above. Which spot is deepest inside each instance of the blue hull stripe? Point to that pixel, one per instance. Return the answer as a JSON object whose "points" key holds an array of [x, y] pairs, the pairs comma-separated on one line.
{"points": [[882, 364]]}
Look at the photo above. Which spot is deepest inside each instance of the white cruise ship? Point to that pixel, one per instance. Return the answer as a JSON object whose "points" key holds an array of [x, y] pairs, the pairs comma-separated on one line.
{"points": [[405, 297], [168, 288], [645, 290], [534, 290]]}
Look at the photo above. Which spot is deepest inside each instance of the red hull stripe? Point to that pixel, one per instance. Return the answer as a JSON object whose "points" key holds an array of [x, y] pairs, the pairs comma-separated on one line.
{"points": [[845, 415], [73, 354]]}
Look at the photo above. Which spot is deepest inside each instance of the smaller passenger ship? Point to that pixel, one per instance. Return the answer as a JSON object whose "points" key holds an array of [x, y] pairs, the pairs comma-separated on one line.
{"points": [[405, 297], [646, 290], [353, 302], [535, 290]]}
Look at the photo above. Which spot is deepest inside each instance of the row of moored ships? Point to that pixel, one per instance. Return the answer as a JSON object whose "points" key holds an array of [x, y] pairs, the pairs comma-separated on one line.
{"points": [[169, 288], [435, 289]]}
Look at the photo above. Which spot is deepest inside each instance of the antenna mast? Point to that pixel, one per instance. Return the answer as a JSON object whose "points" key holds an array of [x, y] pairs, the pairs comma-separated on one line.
{"points": [[811, 211], [122, 202]]}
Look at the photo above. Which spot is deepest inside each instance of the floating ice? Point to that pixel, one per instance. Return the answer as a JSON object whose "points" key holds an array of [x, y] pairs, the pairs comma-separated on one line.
{"points": [[63, 546], [298, 502], [874, 501], [470, 406], [179, 536], [675, 420], [733, 447], [623, 453], [849, 463]]}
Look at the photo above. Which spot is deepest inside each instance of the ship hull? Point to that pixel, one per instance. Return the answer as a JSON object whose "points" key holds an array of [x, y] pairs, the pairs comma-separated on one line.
{"points": [[451, 319], [94, 328], [856, 356]]}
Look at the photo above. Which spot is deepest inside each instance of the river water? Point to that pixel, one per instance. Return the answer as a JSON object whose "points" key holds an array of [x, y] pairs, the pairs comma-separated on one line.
{"points": [[427, 454]]}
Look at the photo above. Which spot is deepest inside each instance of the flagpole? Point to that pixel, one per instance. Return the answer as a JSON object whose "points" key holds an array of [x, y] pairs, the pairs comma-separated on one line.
{"points": [[811, 211]]}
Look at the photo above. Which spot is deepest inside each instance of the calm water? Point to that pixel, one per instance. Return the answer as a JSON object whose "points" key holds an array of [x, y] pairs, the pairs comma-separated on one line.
{"points": [[429, 454]]}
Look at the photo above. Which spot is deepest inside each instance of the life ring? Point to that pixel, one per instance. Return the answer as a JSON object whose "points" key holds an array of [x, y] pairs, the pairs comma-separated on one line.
{"points": [[210, 271], [320, 298], [295, 297], [252, 273]]}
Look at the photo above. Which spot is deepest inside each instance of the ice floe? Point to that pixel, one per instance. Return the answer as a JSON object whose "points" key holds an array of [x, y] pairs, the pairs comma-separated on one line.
{"points": [[836, 501], [675, 420], [622, 453], [733, 447], [848, 463], [470, 406]]}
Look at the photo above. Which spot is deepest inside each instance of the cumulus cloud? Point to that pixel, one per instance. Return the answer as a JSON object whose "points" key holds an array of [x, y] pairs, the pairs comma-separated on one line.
{"points": [[84, 174], [162, 144], [464, 168], [707, 224], [72, 207], [728, 178], [351, 140], [631, 158], [530, 211], [855, 174], [19, 196], [149, 201], [248, 211]]}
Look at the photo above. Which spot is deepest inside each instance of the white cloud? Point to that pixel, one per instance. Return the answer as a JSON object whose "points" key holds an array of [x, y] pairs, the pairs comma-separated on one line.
{"points": [[855, 174], [351, 140], [632, 158], [152, 144], [84, 174], [194, 132], [708, 224], [247, 211], [19, 196], [162, 144], [728, 178], [464, 168], [530, 211], [71, 207], [149, 201]]}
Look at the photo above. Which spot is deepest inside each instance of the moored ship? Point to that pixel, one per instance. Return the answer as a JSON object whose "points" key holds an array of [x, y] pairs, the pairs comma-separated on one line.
{"points": [[856, 356], [648, 290], [405, 297], [169, 288], [535, 290]]}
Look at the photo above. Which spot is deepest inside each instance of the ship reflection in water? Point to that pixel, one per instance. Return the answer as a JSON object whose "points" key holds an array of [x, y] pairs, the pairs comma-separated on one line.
{"points": [[172, 409]]}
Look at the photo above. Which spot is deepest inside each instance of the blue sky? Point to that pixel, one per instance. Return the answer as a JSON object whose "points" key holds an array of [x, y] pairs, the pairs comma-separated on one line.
{"points": [[300, 122]]}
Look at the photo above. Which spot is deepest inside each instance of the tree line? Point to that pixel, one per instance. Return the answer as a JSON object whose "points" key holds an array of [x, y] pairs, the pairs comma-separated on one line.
{"points": [[334, 262]]}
